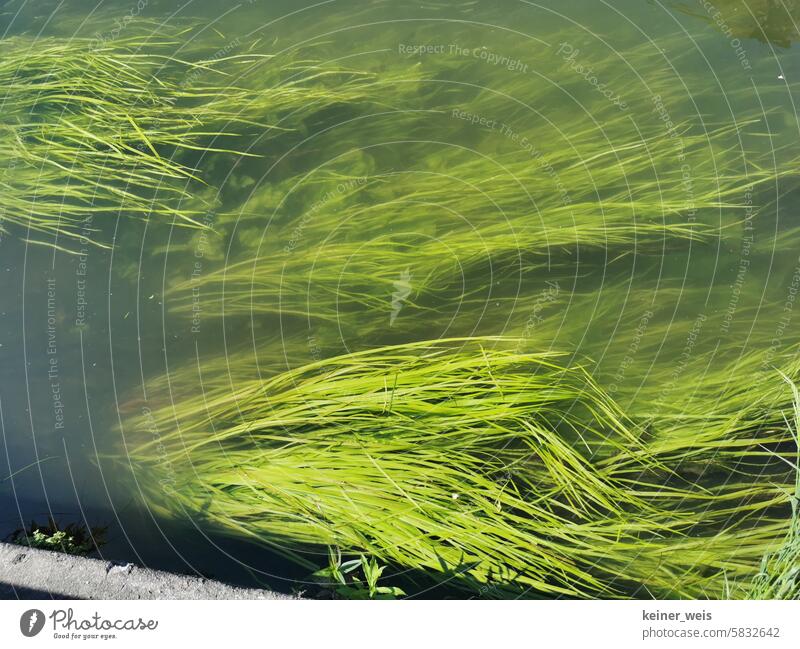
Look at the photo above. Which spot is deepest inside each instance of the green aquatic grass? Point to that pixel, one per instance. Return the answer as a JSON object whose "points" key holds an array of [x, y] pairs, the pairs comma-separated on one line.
{"points": [[463, 460], [543, 193], [92, 129], [779, 576], [408, 453], [483, 217], [89, 130]]}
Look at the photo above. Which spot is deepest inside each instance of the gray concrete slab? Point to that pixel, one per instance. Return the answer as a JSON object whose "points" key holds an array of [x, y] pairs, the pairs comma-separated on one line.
{"points": [[27, 573]]}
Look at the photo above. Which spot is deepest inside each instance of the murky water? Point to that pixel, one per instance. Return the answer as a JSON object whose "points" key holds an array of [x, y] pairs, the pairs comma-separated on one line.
{"points": [[83, 335]]}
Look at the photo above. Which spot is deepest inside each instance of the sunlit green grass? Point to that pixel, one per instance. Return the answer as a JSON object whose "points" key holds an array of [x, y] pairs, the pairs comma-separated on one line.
{"points": [[469, 462], [127, 127]]}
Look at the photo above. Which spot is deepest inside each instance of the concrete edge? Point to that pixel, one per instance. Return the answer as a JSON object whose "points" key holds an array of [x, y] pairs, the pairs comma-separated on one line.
{"points": [[27, 573]]}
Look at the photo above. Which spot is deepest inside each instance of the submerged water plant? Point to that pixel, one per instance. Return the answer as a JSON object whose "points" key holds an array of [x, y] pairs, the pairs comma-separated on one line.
{"points": [[117, 127], [463, 460], [387, 451], [779, 576], [91, 129], [338, 257]]}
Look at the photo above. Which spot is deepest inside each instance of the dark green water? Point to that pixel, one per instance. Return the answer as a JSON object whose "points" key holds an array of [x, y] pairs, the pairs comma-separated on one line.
{"points": [[81, 336]]}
